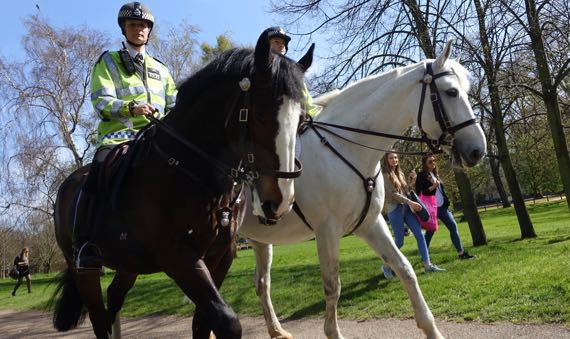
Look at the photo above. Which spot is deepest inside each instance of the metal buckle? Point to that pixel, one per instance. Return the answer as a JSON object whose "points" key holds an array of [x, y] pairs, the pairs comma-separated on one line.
{"points": [[250, 158], [243, 114]]}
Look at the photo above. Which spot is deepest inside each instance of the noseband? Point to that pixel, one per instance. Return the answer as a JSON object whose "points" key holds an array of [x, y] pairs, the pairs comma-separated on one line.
{"points": [[247, 164], [447, 130], [245, 171]]}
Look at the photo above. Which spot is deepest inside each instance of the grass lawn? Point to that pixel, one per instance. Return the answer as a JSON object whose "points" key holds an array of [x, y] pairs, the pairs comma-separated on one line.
{"points": [[520, 281]]}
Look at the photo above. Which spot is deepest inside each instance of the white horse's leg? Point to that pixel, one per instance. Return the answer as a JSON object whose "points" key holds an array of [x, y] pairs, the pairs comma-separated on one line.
{"points": [[263, 259], [116, 328], [327, 247], [380, 240]]}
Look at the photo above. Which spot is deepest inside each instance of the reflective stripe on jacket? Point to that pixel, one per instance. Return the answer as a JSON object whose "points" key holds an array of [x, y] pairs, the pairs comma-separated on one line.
{"points": [[113, 88]]}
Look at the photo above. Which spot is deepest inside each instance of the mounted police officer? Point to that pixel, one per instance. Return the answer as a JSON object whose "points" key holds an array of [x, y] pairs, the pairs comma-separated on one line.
{"points": [[126, 86], [279, 43]]}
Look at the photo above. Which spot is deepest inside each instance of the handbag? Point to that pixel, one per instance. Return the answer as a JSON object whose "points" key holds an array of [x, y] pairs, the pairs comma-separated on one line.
{"points": [[14, 273], [423, 214], [430, 204]]}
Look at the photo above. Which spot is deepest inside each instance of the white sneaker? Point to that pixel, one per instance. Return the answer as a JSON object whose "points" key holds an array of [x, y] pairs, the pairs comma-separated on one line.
{"points": [[388, 274], [432, 268]]}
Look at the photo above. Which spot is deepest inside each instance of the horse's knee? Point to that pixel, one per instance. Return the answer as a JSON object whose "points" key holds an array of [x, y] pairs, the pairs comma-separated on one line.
{"points": [[260, 286], [405, 271]]}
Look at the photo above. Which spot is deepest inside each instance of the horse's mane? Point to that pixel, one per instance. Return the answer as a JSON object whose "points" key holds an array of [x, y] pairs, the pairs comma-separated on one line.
{"points": [[328, 97], [461, 72], [286, 78]]}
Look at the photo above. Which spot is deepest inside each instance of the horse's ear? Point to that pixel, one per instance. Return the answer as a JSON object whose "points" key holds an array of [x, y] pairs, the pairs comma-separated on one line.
{"points": [[307, 60], [445, 54], [263, 55]]}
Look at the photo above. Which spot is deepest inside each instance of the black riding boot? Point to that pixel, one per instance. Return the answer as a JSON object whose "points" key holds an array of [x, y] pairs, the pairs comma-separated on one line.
{"points": [[86, 255], [18, 283]]}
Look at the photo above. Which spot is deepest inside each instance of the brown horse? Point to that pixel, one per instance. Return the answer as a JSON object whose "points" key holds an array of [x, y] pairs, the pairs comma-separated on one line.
{"points": [[178, 200]]}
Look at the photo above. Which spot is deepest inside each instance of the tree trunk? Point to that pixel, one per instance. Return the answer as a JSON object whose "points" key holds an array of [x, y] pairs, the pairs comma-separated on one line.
{"points": [[495, 171], [525, 224], [463, 184], [549, 96], [470, 208]]}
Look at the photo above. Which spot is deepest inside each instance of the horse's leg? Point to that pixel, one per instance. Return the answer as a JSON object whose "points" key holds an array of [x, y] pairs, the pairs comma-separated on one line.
{"points": [[327, 247], [378, 237], [116, 293], [89, 287], [195, 280], [263, 259], [218, 268]]}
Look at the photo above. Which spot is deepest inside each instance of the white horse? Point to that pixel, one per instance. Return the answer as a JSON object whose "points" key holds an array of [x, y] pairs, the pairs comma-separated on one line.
{"points": [[331, 194]]}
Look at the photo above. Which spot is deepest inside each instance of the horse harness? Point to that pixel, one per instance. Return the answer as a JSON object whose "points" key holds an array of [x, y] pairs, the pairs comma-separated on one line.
{"points": [[446, 138], [244, 173]]}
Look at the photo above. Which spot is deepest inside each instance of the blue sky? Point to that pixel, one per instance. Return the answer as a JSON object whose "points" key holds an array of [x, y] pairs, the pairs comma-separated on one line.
{"points": [[243, 19]]}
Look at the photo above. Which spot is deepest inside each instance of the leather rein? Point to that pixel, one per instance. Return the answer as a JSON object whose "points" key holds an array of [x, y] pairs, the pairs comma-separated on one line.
{"points": [[245, 171], [446, 138]]}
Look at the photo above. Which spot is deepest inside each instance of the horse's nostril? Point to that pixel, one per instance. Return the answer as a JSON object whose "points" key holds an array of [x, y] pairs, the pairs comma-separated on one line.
{"points": [[476, 155], [270, 208]]}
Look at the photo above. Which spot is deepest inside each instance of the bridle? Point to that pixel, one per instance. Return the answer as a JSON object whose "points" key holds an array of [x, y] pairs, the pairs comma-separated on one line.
{"points": [[246, 170], [446, 138], [245, 143]]}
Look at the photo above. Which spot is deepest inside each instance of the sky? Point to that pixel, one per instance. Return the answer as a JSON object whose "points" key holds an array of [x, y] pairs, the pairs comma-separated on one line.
{"points": [[243, 19]]}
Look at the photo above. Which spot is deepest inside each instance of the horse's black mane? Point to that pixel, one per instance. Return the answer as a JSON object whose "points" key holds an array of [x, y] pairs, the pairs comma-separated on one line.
{"points": [[286, 75]]}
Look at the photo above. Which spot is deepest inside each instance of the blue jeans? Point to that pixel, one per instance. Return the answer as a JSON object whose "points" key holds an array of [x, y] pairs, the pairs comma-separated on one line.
{"points": [[402, 214], [445, 215]]}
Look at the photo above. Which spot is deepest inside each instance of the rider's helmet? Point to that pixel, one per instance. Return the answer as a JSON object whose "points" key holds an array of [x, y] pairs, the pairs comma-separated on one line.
{"points": [[134, 10], [278, 32]]}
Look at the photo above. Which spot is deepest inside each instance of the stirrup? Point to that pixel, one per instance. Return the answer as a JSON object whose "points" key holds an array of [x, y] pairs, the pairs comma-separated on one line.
{"points": [[93, 259]]}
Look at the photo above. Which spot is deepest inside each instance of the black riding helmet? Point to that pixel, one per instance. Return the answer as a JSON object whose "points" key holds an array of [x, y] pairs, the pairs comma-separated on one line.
{"points": [[137, 11], [278, 32]]}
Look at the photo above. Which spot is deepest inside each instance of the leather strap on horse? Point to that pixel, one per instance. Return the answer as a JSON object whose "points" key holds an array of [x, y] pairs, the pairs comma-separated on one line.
{"points": [[369, 184], [447, 131]]}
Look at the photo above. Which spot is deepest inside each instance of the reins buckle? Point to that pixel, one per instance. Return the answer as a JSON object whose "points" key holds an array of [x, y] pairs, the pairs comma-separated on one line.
{"points": [[250, 158], [243, 115]]}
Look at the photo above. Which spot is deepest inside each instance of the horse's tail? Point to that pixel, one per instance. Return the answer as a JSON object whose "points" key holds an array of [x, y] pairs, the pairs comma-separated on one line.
{"points": [[68, 311]]}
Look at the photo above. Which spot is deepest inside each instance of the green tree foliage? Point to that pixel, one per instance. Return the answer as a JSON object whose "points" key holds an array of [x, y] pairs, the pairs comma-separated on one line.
{"points": [[209, 52]]}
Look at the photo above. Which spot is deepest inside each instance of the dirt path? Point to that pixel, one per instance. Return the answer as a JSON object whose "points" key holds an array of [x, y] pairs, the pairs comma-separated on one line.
{"points": [[38, 325]]}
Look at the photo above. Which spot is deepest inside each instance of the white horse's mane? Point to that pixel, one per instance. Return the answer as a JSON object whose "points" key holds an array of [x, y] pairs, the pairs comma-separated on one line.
{"points": [[462, 75]]}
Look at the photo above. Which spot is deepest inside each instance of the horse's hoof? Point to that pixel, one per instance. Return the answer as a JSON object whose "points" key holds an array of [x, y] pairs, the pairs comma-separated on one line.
{"points": [[280, 334]]}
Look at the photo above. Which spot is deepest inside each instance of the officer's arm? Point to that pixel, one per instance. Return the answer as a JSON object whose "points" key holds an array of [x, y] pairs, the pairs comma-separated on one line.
{"points": [[104, 95]]}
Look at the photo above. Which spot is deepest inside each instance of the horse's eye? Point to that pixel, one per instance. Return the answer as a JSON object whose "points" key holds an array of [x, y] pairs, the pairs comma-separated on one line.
{"points": [[452, 92]]}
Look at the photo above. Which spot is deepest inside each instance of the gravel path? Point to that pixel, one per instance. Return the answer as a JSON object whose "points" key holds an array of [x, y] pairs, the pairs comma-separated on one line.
{"points": [[38, 325]]}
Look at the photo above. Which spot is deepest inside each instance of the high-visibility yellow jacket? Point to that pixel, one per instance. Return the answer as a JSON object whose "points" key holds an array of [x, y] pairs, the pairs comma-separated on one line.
{"points": [[113, 88], [310, 108]]}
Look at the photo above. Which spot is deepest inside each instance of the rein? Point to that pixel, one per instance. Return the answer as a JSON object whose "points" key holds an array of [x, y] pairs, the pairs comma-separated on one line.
{"points": [[446, 138], [245, 171]]}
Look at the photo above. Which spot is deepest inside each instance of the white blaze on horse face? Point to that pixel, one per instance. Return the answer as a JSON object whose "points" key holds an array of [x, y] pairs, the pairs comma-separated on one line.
{"points": [[288, 120]]}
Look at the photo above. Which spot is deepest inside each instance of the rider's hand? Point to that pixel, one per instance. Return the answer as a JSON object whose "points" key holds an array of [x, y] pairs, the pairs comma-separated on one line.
{"points": [[144, 109]]}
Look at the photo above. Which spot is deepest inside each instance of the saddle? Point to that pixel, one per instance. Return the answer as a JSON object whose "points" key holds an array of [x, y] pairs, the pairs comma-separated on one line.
{"points": [[116, 166]]}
